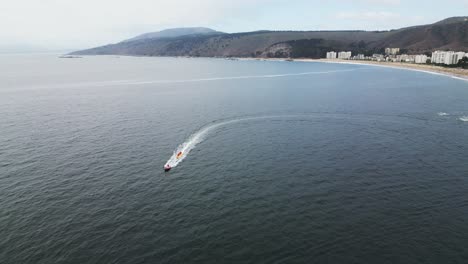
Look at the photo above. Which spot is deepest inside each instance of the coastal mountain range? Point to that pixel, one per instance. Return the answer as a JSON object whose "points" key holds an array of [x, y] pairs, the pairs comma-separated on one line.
{"points": [[174, 33], [448, 34]]}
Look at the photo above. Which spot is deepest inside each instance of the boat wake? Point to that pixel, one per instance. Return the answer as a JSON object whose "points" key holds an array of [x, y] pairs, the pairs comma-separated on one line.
{"points": [[162, 82], [234, 77], [182, 151]]}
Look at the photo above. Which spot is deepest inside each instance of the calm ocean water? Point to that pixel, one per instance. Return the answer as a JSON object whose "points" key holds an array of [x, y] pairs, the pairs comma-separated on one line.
{"points": [[301, 163]]}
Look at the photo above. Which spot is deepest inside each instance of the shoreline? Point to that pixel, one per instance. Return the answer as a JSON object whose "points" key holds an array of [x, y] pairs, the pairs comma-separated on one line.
{"points": [[456, 73]]}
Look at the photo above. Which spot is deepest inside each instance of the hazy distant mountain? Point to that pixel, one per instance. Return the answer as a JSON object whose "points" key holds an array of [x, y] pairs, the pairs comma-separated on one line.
{"points": [[176, 32], [450, 33]]}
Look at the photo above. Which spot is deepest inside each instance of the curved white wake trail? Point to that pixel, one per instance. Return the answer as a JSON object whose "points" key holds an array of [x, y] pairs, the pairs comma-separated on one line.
{"points": [[200, 135], [133, 82], [229, 78]]}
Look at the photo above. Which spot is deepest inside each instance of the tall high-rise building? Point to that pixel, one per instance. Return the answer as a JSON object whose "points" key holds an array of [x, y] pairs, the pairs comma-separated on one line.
{"points": [[420, 59], [331, 55], [447, 57]]}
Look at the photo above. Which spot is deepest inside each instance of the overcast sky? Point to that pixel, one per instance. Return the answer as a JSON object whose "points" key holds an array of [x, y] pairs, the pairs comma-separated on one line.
{"points": [[67, 24]]}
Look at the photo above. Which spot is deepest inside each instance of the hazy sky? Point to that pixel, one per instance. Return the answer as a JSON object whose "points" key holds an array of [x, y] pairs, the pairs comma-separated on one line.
{"points": [[86, 23]]}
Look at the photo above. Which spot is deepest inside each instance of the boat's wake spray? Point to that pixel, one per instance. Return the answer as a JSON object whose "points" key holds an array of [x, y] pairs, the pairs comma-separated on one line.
{"points": [[184, 149]]}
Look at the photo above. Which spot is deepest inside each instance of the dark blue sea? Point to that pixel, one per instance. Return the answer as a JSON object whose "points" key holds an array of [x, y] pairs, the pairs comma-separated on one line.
{"points": [[289, 162]]}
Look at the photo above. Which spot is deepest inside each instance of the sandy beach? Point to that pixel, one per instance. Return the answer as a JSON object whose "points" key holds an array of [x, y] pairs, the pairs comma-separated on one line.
{"points": [[457, 73]]}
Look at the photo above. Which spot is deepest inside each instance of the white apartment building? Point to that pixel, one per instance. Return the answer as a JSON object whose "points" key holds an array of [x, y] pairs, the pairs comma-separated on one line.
{"points": [[392, 51], [331, 55], [404, 58], [344, 55], [438, 57], [420, 59], [447, 57], [360, 57], [378, 57]]}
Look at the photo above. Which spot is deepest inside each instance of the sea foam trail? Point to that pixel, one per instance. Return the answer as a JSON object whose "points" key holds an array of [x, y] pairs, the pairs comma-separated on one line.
{"points": [[230, 78], [134, 82], [200, 135]]}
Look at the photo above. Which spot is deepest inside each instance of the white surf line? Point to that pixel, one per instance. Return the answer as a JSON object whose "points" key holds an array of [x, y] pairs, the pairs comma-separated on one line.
{"points": [[461, 118], [390, 66]]}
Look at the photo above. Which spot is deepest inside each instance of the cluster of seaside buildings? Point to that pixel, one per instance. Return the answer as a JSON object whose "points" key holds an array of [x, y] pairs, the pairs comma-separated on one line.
{"points": [[392, 55], [447, 57], [343, 55]]}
